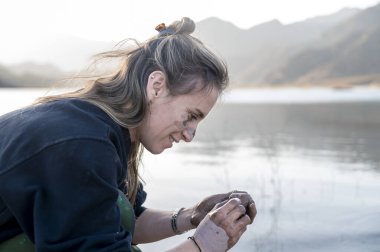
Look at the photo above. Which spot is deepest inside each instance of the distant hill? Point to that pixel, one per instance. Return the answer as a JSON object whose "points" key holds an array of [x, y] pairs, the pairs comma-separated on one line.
{"points": [[341, 47], [350, 49], [255, 53], [29, 74], [6, 78], [68, 54]]}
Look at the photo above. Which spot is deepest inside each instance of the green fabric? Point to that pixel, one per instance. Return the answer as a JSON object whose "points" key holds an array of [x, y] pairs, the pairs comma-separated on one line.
{"points": [[21, 243], [127, 215], [135, 249]]}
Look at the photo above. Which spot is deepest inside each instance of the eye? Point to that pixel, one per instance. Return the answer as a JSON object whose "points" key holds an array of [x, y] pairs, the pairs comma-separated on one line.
{"points": [[192, 117]]}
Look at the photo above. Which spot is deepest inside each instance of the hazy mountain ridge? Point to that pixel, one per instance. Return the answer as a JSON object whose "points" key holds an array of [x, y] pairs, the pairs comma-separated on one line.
{"points": [[276, 53], [53, 61], [29, 74], [349, 50], [343, 45]]}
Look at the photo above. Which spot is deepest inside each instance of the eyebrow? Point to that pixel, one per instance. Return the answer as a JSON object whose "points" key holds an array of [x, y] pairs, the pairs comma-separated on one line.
{"points": [[200, 113]]}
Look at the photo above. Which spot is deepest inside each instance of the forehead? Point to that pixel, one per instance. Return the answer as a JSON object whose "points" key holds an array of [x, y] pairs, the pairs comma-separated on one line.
{"points": [[202, 100]]}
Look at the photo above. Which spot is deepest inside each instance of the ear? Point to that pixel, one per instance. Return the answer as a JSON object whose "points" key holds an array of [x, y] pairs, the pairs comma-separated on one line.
{"points": [[156, 85]]}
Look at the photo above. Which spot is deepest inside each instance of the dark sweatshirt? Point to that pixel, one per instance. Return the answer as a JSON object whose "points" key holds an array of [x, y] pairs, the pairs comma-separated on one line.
{"points": [[61, 164]]}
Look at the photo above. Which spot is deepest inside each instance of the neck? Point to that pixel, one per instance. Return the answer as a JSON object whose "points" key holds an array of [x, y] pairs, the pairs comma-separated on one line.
{"points": [[133, 134]]}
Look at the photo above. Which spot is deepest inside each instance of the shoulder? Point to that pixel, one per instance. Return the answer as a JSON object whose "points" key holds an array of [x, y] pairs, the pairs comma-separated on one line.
{"points": [[68, 117], [25, 131], [60, 119]]}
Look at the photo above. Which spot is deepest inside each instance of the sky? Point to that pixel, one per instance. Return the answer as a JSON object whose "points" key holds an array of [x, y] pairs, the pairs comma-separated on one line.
{"points": [[25, 23]]}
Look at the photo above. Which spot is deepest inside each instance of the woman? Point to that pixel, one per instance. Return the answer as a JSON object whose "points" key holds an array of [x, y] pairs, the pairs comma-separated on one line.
{"points": [[64, 160]]}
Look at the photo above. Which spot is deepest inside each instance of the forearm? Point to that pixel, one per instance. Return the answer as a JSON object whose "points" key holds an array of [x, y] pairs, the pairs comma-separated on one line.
{"points": [[186, 246], [153, 225]]}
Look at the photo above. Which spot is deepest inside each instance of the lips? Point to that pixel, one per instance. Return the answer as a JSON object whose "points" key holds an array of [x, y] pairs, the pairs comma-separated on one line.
{"points": [[172, 139]]}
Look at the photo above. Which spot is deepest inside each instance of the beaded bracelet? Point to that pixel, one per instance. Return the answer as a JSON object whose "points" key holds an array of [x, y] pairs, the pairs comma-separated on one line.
{"points": [[195, 242], [174, 221]]}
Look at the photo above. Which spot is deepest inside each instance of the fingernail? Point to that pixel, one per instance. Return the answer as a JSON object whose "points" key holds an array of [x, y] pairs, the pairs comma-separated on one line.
{"points": [[236, 199]]}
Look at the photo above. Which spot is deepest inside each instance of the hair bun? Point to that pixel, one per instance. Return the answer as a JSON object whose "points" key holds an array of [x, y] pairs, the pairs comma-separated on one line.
{"points": [[185, 26], [160, 27]]}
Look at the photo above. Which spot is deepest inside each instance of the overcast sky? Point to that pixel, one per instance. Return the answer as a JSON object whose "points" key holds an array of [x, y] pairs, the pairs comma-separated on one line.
{"points": [[33, 21]]}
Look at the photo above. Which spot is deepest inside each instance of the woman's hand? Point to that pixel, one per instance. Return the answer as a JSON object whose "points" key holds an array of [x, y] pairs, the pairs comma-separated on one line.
{"points": [[247, 202], [207, 204], [223, 226]]}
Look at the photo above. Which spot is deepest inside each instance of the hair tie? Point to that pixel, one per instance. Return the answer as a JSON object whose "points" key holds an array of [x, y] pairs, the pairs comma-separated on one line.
{"points": [[163, 30]]}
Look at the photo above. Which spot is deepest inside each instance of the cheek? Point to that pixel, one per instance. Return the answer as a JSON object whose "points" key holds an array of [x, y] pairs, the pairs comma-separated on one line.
{"points": [[180, 125]]}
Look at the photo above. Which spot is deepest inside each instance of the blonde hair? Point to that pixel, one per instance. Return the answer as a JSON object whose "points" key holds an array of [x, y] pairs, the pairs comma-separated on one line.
{"points": [[122, 95]]}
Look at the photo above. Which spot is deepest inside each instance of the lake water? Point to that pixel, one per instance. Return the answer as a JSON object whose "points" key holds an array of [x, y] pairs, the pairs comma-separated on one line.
{"points": [[311, 158]]}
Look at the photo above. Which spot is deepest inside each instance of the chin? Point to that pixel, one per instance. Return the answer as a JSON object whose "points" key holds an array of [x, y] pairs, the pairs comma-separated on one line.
{"points": [[155, 151]]}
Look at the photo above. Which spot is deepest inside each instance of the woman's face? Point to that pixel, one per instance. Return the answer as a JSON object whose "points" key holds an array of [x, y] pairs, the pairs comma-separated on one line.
{"points": [[170, 118]]}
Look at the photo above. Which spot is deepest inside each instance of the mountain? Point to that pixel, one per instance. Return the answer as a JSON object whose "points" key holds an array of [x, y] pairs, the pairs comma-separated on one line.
{"points": [[343, 46], [6, 78], [32, 68], [69, 54], [351, 49], [255, 53], [29, 74]]}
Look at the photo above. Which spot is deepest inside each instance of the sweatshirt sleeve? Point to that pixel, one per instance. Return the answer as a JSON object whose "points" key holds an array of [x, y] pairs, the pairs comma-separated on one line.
{"points": [[64, 197]]}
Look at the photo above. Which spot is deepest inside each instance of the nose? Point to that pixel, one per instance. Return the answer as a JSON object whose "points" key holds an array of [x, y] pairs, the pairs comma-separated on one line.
{"points": [[188, 134]]}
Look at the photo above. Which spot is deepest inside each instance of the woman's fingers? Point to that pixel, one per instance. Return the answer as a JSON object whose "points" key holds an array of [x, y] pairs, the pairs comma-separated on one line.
{"points": [[232, 218], [237, 212], [252, 211], [205, 206], [223, 208], [247, 201], [215, 201], [231, 215]]}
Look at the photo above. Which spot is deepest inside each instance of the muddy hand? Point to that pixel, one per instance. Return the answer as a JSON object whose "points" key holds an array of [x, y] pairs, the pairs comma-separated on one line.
{"points": [[246, 201], [207, 204], [222, 228]]}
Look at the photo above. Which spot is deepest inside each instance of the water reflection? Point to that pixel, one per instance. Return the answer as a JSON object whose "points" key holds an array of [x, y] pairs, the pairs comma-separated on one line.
{"points": [[346, 133], [314, 171]]}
